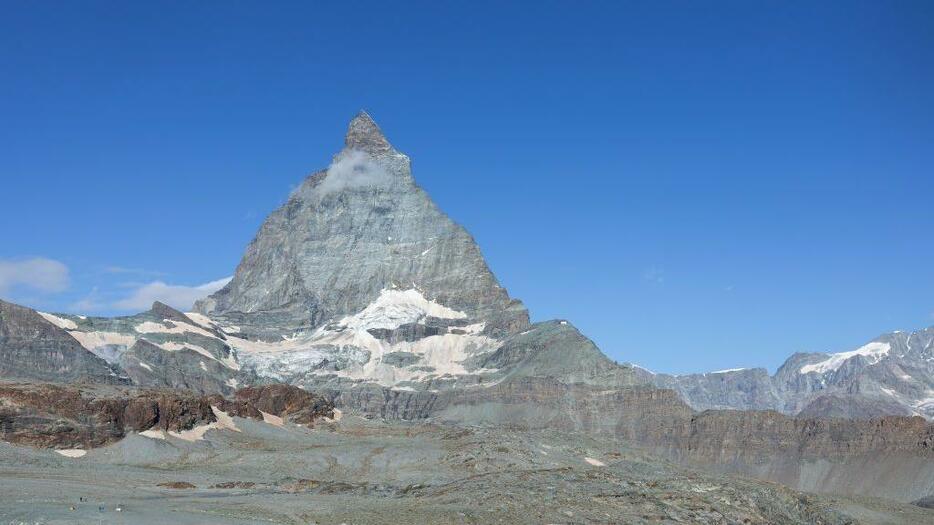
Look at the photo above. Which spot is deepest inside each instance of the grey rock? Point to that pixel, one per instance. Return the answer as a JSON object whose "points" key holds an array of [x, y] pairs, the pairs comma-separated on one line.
{"points": [[31, 347], [891, 375], [346, 234]]}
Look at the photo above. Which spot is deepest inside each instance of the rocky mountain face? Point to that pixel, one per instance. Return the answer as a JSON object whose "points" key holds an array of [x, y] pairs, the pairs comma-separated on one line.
{"points": [[361, 290], [891, 457], [360, 282], [158, 348], [358, 286], [891, 375], [32, 347], [348, 234], [71, 417]]}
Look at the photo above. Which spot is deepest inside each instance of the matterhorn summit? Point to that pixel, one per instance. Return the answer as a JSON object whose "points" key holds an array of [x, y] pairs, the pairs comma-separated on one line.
{"points": [[349, 234]]}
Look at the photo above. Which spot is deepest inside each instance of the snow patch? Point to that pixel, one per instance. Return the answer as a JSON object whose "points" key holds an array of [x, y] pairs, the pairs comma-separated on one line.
{"points": [[172, 346], [873, 352], [272, 419], [889, 391], [394, 308], [642, 368], [337, 416], [150, 327], [595, 462], [97, 342], [153, 433], [224, 422], [72, 452], [60, 322], [361, 354], [200, 319], [728, 370], [925, 403]]}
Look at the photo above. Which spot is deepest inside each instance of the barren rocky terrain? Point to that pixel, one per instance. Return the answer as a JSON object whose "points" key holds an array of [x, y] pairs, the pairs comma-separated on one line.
{"points": [[370, 471], [363, 365]]}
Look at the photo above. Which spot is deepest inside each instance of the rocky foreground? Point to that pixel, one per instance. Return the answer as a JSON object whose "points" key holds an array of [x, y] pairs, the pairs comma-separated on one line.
{"points": [[72, 417], [364, 471], [360, 295]]}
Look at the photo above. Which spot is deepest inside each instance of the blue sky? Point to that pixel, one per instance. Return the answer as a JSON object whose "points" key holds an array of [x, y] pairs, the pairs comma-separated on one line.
{"points": [[694, 185]]}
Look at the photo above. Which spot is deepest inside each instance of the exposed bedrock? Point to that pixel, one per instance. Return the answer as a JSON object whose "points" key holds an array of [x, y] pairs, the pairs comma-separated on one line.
{"points": [[33, 348], [889, 457], [349, 232], [288, 402], [57, 416]]}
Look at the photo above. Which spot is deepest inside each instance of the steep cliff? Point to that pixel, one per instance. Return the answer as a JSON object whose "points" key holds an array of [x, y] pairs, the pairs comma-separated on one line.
{"points": [[32, 347], [70, 417], [349, 233]]}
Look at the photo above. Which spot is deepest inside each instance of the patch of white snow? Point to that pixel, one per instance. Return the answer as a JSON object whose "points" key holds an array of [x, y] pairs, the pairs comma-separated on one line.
{"points": [[873, 352], [272, 419], [727, 371], [60, 322], [72, 452]]}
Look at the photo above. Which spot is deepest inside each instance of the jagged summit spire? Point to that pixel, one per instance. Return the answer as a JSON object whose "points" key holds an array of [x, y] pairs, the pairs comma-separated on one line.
{"points": [[363, 134]]}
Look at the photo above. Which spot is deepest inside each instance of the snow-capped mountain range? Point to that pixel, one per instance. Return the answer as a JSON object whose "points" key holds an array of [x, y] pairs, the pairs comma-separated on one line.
{"points": [[893, 374], [359, 280]]}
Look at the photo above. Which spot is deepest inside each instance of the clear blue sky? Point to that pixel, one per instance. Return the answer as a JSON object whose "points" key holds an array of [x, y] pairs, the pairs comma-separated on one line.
{"points": [[694, 185]]}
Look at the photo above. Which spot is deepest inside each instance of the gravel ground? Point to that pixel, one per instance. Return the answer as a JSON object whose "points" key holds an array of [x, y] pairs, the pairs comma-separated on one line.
{"points": [[359, 471]]}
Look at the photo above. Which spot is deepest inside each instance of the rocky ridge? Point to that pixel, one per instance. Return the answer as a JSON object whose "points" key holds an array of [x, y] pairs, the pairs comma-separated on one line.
{"points": [[891, 375], [70, 417], [360, 289], [350, 233]]}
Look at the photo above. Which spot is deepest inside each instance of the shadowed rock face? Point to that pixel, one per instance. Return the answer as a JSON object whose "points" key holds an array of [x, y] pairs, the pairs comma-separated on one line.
{"points": [[45, 415], [349, 232], [288, 402], [31, 347], [58, 416]]}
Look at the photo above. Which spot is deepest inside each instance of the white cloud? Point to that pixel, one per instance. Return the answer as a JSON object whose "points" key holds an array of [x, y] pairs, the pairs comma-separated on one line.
{"points": [[37, 273], [174, 295], [136, 271], [654, 275], [89, 303], [353, 169]]}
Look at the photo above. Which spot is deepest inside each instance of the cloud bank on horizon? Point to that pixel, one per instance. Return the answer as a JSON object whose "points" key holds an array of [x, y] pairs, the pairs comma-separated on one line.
{"points": [[177, 296], [36, 274], [43, 280]]}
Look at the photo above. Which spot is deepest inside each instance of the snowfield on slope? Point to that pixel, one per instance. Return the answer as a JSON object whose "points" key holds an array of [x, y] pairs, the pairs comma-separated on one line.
{"points": [[873, 352]]}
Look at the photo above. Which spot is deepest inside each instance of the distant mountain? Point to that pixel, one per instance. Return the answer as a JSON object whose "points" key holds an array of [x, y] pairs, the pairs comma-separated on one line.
{"points": [[361, 231], [360, 285], [893, 374], [362, 291], [34, 348]]}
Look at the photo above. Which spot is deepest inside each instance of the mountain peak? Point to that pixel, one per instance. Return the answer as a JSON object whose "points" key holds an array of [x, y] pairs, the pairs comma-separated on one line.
{"points": [[363, 134]]}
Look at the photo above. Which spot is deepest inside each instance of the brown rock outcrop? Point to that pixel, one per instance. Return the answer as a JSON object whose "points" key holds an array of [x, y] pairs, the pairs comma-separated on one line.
{"points": [[59, 416], [285, 401]]}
